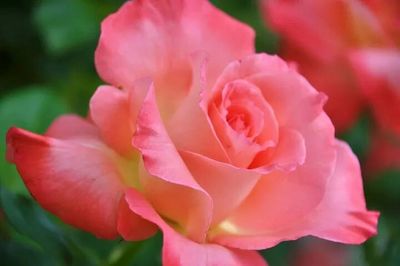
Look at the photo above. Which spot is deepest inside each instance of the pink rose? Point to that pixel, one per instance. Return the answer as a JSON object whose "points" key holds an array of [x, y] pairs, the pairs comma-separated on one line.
{"points": [[224, 158]]}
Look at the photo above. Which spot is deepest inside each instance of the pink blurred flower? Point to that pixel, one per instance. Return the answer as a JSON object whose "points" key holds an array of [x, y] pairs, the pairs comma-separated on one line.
{"points": [[323, 36], [315, 252], [224, 158]]}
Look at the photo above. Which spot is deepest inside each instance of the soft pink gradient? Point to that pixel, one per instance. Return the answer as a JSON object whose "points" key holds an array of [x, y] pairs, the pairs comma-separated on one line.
{"points": [[243, 159]]}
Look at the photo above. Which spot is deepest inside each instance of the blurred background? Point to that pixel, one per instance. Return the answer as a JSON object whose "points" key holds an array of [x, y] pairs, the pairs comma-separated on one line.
{"points": [[47, 69]]}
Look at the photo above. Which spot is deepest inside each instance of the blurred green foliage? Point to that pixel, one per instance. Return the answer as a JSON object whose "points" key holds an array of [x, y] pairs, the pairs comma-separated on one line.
{"points": [[47, 69]]}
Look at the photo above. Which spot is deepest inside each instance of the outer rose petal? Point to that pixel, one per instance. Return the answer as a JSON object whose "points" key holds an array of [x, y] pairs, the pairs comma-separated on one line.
{"points": [[110, 111], [131, 226], [341, 215], [70, 127], [79, 182], [155, 38], [168, 182], [180, 251]]}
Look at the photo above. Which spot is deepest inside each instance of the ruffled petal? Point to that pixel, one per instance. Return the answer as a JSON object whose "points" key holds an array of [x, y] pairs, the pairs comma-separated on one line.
{"points": [[180, 251], [197, 137], [110, 111], [277, 81], [131, 226], [289, 153], [280, 199], [165, 178], [79, 181], [155, 39], [340, 216], [227, 185]]}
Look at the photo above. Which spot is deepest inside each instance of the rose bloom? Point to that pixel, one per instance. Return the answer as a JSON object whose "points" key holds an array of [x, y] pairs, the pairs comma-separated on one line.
{"points": [[339, 45], [223, 150]]}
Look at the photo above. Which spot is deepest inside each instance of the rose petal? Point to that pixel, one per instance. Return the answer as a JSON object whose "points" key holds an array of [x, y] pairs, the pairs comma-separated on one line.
{"points": [[277, 81], [155, 39], [110, 111], [79, 182], [180, 251], [340, 216], [290, 111], [131, 226], [168, 175], [280, 199], [289, 153], [244, 122], [69, 127], [227, 185], [197, 137]]}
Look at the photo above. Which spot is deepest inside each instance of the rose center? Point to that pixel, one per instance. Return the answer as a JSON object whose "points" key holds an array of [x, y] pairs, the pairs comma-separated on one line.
{"points": [[239, 121]]}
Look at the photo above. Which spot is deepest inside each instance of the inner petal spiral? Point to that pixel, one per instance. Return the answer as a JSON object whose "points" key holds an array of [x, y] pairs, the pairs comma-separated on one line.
{"points": [[244, 121]]}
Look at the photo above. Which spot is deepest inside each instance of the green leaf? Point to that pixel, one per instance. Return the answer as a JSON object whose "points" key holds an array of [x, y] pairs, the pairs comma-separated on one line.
{"points": [[31, 108], [280, 254], [147, 252], [359, 137], [33, 229], [383, 192], [66, 25]]}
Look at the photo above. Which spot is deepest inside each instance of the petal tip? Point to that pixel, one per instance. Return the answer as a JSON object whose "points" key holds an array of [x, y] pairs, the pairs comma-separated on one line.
{"points": [[15, 137]]}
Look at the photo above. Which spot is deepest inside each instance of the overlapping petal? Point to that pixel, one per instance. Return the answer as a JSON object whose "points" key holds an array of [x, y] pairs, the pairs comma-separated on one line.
{"points": [[281, 198], [181, 128], [180, 251], [110, 111], [277, 81], [166, 181], [75, 176], [339, 216], [226, 184], [155, 39]]}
